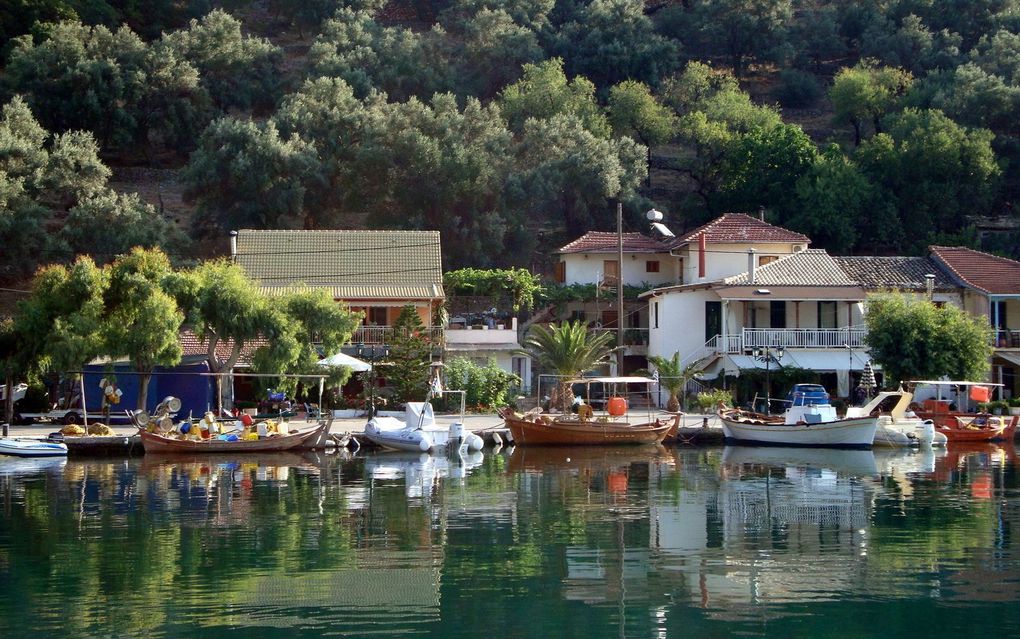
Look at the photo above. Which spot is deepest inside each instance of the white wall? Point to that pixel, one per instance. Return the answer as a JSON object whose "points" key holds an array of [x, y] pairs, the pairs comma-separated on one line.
{"points": [[726, 260], [587, 268], [681, 323]]}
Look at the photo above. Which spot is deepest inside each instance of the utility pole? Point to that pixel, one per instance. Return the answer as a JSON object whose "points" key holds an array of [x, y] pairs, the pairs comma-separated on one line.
{"points": [[619, 288]]}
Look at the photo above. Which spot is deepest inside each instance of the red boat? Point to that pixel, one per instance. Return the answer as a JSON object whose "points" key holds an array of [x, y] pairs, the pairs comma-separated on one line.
{"points": [[964, 426]]}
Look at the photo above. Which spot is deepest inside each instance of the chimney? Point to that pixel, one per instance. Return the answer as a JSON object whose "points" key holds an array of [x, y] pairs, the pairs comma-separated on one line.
{"points": [[702, 242], [761, 213], [751, 264], [233, 246]]}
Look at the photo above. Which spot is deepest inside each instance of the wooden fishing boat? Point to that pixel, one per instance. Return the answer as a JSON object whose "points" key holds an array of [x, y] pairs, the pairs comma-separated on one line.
{"points": [[299, 440], [546, 430], [963, 425], [587, 429], [810, 420]]}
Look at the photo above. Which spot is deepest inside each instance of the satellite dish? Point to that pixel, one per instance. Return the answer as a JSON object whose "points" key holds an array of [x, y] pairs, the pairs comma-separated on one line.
{"points": [[662, 229]]}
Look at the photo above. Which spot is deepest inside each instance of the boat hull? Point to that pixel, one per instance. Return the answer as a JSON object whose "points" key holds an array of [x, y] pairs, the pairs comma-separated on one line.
{"points": [[32, 448], [857, 432], [577, 433], [305, 440], [955, 427]]}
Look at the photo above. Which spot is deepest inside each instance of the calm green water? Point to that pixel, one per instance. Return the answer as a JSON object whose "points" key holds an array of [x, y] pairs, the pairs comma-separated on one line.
{"points": [[536, 543]]}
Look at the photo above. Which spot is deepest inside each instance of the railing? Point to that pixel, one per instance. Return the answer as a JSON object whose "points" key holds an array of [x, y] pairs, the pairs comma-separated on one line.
{"points": [[821, 338], [384, 335], [631, 336], [827, 338], [1006, 338]]}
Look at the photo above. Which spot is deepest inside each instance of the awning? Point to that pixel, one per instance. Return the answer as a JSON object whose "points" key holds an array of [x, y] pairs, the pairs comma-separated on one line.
{"points": [[340, 359], [1012, 358], [828, 360], [810, 360]]}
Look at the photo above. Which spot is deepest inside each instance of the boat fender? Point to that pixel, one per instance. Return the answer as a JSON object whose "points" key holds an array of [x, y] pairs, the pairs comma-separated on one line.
{"points": [[424, 445], [474, 442]]}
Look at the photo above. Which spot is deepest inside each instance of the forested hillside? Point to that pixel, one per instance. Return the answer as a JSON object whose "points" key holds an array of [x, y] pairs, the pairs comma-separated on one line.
{"points": [[510, 125]]}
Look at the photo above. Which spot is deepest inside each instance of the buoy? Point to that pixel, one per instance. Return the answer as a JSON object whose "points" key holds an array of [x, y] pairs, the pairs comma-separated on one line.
{"points": [[617, 406]]}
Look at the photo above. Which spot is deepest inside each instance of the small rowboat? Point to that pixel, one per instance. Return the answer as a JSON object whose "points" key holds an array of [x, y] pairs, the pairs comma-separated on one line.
{"points": [[23, 447], [301, 440]]}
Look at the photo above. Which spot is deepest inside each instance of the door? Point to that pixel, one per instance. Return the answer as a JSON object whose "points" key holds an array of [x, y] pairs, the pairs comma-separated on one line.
{"points": [[713, 319], [777, 315]]}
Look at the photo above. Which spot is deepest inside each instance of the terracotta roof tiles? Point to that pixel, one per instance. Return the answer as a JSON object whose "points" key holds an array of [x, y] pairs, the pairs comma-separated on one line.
{"points": [[739, 228], [905, 273], [606, 242], [989, 273]]}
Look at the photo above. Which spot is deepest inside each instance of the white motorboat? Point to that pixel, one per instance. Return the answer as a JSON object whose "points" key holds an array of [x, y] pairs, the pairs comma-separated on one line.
{"points": [[25, 447], [809, 421], [897, 425], [418, 431]]}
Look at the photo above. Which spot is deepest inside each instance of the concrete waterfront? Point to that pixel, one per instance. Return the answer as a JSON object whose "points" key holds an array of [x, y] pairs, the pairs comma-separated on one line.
{"points": [[693, 428]]}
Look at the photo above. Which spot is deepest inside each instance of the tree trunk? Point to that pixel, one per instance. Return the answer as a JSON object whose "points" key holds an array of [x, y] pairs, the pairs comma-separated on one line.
{"points": [[143, 390], [565, 399], [673, 404]]}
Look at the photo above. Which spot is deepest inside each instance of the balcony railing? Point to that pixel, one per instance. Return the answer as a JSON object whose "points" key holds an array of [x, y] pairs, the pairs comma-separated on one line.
{"points": [[809, 338], [631, 336], [384, 335], [1006, 338]]}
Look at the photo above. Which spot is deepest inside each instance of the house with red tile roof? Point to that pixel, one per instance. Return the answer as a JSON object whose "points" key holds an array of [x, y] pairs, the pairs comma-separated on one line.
{"points": [[991, 287], [737, 312]]}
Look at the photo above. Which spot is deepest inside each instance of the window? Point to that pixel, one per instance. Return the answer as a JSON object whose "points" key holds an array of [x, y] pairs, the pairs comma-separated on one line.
{"points": [[561, 272], [766, 259], [652, 266], [826, 314]]}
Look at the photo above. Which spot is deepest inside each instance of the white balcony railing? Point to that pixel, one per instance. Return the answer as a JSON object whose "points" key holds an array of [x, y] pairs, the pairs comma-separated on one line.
{"points": [[384, 335], [796, 338], [1006, 338], [827, 338]]}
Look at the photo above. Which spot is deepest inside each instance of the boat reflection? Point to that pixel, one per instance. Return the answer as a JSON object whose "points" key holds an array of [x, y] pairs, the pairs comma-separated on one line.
{"points": [[857, 463], [567, 458], [421, 471], [27, 466]]}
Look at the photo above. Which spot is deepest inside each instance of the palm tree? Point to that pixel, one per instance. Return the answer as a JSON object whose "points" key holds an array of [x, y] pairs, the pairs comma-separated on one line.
{"points": [[673, 376], [568, 349]]}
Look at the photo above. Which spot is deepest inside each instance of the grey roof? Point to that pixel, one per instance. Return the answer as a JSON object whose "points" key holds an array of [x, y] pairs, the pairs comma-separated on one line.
{"points": [[873, 272], [811, 267], [353, 265]]}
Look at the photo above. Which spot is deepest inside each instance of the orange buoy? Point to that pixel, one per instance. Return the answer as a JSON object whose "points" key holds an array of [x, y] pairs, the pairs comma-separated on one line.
{"points": [[617, 406]]}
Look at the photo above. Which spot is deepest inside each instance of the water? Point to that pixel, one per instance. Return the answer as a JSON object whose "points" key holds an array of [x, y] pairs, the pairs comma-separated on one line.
{"points": [[534, 543]]}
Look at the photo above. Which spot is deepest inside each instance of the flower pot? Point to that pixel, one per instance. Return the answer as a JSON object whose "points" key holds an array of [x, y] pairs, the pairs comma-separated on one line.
{"points": [[1014, 410]]}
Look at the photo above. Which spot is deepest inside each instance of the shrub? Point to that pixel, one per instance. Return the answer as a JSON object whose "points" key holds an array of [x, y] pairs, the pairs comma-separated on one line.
{"points": [[797, 88], [709, 401], [486, 386]]}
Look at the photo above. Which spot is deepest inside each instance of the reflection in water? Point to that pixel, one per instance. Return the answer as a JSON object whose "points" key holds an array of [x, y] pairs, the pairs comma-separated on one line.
{"points": [[529, 541]]}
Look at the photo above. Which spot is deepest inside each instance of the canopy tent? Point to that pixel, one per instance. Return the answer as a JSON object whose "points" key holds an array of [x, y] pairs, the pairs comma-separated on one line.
{"points": [[341, 359]]}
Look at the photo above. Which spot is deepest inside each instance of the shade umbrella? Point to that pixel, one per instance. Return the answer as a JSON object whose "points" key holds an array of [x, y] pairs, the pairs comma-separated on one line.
{"points": [[341, 359], [868, 378]]}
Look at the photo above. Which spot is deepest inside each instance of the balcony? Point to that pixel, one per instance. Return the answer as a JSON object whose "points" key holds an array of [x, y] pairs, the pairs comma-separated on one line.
{"points": [[635, 340], [789, 338], [1006, 338], [384, 335]]}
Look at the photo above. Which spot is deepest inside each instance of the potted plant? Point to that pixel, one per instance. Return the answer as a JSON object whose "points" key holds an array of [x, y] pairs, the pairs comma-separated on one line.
{"points": [[1014, 406], [999, 407]]}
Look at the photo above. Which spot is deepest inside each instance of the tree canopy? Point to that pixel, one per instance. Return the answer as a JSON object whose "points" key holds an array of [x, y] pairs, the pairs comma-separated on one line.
{"points": [[913, 339]]}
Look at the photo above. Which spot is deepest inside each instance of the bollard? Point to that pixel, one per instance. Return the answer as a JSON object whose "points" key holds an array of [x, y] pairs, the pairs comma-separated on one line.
{"points": [[704, 422]]}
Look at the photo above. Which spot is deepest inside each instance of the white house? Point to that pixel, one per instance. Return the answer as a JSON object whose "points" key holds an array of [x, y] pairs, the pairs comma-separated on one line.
{"points": [[803, 301]]}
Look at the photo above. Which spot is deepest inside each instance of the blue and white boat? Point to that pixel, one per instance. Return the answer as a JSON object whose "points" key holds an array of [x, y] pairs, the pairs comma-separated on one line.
{"points": [[26, 447]]}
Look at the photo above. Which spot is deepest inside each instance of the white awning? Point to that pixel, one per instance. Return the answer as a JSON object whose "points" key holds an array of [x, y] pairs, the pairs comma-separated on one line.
{"points": [[614, 380], [809, 360], [341, 359]]}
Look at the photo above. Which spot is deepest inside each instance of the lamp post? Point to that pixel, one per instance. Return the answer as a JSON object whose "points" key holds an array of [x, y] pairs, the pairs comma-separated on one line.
{"points": [[766, 354], [373, 354]]}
